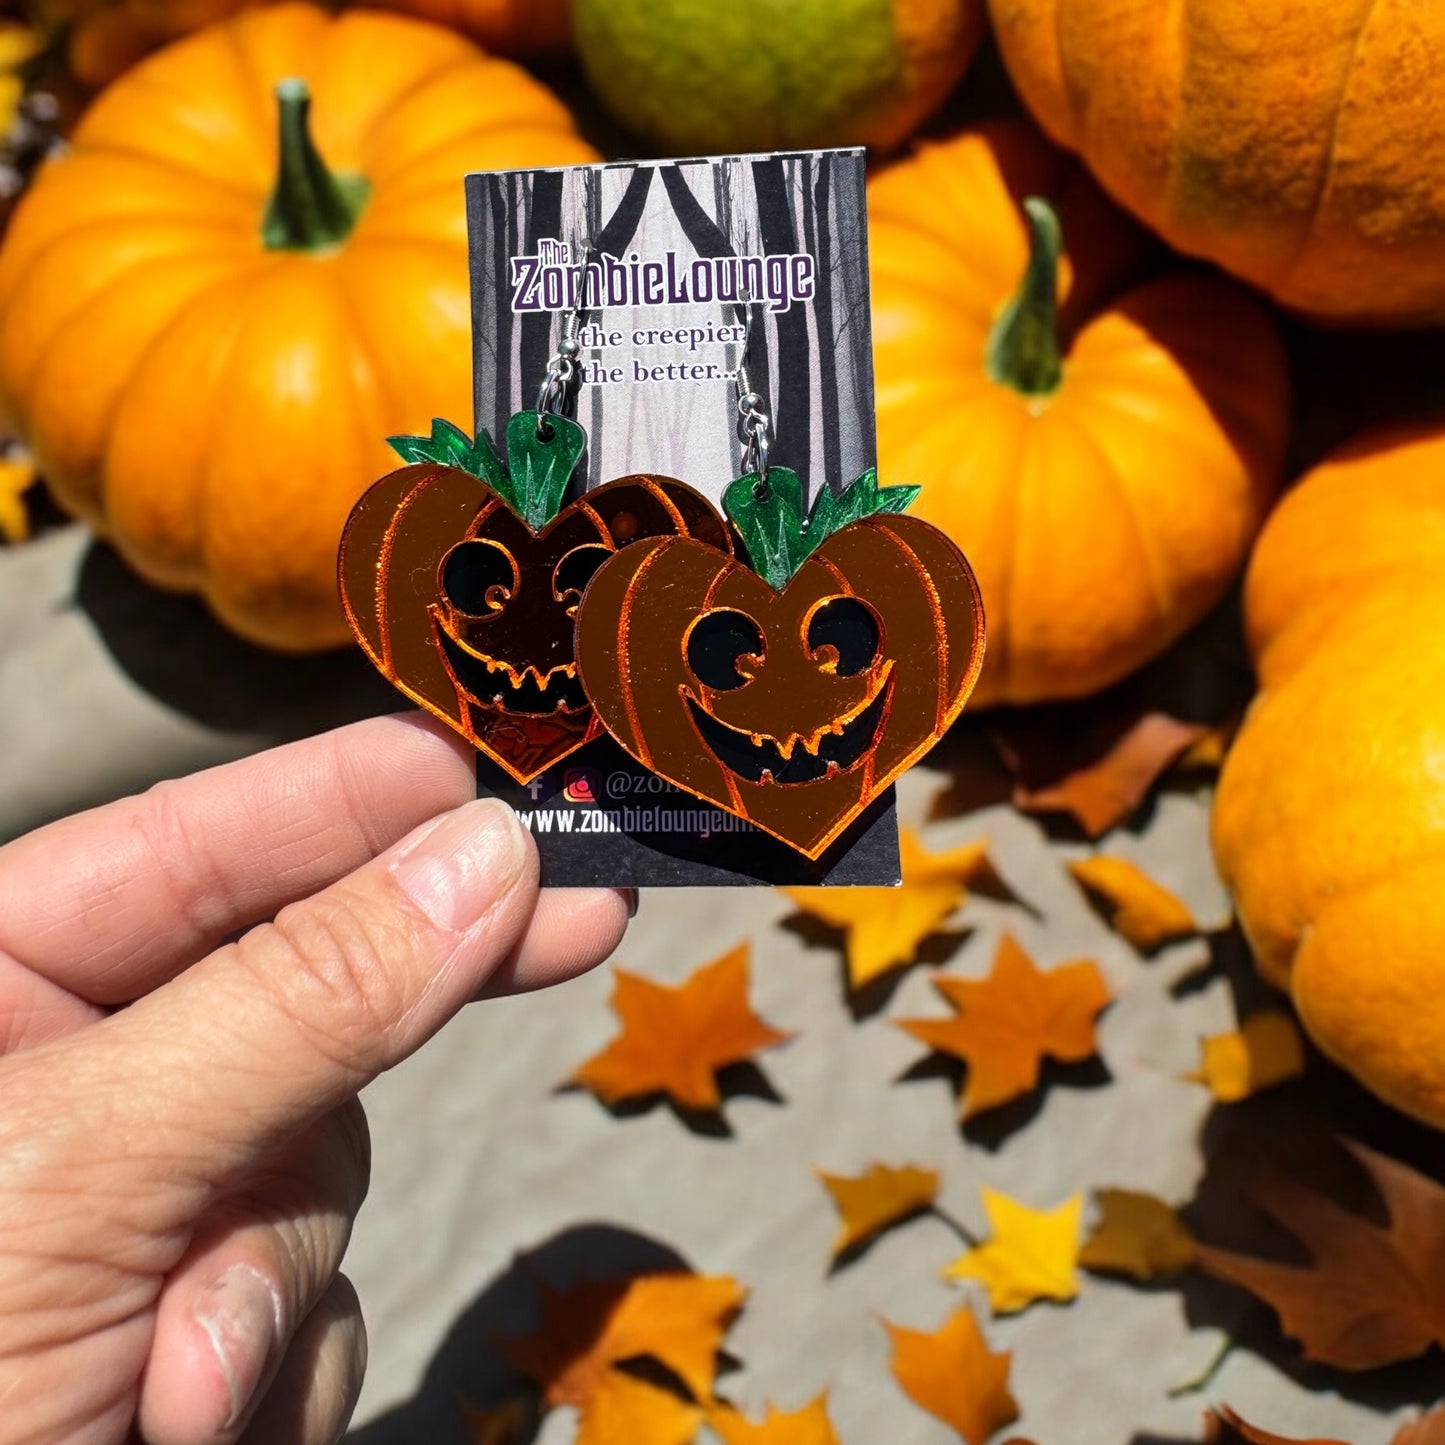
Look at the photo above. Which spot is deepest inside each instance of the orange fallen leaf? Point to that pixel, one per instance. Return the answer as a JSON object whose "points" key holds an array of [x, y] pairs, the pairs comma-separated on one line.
{"points": [[505, 1424], [954, 1375], [1098, 773], [1264, 1051], [1427, 1430], [678, 1320], [808, 1426], [674, 1039], [17, 476], [1373, 1293], [876, 1199], [1223, 1426], [1141, 909], [626, 1410], [1136, 1234], [884, 927], [1009, 1022], [1030, 1256]]}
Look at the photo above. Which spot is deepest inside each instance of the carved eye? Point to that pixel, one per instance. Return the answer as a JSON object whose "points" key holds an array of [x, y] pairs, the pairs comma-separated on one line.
{"points": [[575, 571], [479, 577], [844, 636], [717, 642]]}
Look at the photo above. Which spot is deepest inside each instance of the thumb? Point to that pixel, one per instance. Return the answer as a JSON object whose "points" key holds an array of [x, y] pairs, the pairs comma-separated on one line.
{"points": [[199, 1078]]}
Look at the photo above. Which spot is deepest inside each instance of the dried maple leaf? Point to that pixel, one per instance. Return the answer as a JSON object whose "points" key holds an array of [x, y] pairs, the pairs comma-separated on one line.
{"points": [[678, 1320], [504, 1424], [808, 1426], [625, 1410], [954, 1375], [674, 1039], [1264, 1051], [1427, 1430], [1223, 1426], [884, 927], [17, 476], [1142, 910], [1008, 1022], [1099, 773], [879, 1197], [1030, 1256], [1136, 1234], [1373, 1294]]}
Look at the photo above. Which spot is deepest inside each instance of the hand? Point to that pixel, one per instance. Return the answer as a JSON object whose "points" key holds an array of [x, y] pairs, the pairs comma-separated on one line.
{"points": [[181, 1148]]}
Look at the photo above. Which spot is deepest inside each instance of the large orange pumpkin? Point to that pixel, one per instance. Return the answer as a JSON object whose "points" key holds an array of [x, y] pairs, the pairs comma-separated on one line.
{"points": [[1329, 825], [206, 362], [1104, 467], [1296, 142]]}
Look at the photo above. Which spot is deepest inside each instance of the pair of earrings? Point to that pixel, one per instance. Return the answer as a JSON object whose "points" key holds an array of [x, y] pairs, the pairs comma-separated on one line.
{"points": [[784, 665]]}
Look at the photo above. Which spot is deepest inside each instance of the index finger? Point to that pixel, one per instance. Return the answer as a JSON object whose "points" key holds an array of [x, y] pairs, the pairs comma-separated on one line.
{"points": [[114, 902]]}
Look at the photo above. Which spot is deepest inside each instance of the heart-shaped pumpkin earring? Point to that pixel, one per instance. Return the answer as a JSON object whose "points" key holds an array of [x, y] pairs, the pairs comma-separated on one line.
{"points": [[460, 575], [793, 689]]}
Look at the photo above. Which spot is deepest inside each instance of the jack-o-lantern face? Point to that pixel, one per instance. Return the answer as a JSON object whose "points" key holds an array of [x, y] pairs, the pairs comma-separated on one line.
{"points": [[793, 709], [471, 613]]}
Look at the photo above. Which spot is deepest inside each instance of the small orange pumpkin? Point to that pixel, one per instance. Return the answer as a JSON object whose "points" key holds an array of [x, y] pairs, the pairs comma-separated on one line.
{"points": [[1105, 465], [1329, 827], [207, 358], [1295, 142]]}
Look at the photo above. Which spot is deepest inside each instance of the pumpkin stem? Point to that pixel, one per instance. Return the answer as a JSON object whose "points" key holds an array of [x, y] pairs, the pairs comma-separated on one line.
{"points": [[1023, 348], [311, 208]]}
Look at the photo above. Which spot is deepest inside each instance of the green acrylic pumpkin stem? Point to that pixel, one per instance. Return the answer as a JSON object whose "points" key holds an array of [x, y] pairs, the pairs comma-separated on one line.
{"points": [[1023, 348], [312, 208]]}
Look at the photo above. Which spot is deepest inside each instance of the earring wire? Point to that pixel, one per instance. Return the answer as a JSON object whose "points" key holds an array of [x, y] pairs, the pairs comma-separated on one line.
{"points": [[755, 425], [562, 368]]}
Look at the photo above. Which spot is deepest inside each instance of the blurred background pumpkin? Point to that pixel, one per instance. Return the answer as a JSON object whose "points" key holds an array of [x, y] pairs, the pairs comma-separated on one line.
{"points": [[1106, 464], [1328, 827], [207, 341], [694, 77], [1297, 144]]}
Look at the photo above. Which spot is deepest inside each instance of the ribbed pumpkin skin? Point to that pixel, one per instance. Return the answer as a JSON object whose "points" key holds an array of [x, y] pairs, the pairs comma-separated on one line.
{"points": [[1295, 142], [215, 408], [107, 37], [1105, 520], [1329, 825]]}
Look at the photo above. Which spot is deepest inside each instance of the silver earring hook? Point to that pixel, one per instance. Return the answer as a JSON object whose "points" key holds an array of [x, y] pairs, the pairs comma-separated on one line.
{"points": [[562, 368], [755, 426]]}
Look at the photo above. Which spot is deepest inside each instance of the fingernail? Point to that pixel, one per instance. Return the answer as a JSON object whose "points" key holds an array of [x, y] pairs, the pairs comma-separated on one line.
{"points": [[241, 1315], [458, 868], [629, 896]]}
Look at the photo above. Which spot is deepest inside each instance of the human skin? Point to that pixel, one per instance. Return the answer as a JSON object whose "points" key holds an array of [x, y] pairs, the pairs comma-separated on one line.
{"points": [[194, 985]]}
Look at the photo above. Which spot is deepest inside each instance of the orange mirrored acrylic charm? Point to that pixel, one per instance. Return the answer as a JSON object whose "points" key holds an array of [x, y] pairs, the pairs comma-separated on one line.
{"points": [[460, 578], [795, 691]]}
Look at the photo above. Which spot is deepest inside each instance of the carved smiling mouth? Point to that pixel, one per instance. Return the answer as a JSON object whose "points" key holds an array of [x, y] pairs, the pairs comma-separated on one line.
{"points": [[830, 751], [499, 685]]}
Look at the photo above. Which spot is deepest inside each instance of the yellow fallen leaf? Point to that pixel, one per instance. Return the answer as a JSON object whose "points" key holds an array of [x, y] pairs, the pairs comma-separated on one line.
{"points": [[1145, 912], [954, 1375], [808, 1426], [879, 1197], [17, 476], [884, 927], [1264, 1051], [626, 1410], [1136, 1234], [1031, 1255]]}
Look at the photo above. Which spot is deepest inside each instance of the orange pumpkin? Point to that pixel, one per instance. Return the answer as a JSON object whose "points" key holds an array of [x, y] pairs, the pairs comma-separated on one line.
{"points": [[1105, 465], [1295, 142], [1329, 826], [207, 361], [109, 36]]}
